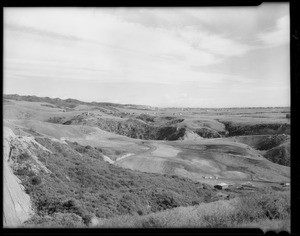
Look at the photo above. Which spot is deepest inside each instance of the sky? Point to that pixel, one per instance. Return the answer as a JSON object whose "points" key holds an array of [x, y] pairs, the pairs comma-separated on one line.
{"points": [[165, 57]]}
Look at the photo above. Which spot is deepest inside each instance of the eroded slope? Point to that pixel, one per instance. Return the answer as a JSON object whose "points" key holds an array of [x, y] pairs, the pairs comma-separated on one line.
{"points": [[16, 203]]}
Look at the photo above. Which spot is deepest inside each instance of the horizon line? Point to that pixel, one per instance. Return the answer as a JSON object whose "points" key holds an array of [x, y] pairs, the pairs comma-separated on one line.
{"points": [[130, 104]]}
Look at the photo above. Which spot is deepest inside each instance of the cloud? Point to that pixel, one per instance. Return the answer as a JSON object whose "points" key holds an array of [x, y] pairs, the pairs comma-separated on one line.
{"points": [[41, 32], [190, 26], [109, 48], [89, 48], [278, 35], [213, 43], [182, 44]]}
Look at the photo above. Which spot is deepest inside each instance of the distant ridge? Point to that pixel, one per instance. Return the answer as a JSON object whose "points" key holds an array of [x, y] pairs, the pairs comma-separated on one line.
{"points": [[70, 102]]}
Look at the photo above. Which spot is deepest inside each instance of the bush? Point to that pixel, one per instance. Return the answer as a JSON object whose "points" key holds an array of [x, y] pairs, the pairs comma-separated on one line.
{"points": [[146, 117], [68, 220], [93, 186], [24, 171], [87, 218], [216, 221], [23, 157], [279, 155], [151, 222], [258, 206], [254, 210], [165, 201], [71, 205], [42, 159], [103, 212], [36, 180]]}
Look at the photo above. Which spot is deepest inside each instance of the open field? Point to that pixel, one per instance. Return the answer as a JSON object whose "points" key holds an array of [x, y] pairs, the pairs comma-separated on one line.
{"points": [[136, 159]]}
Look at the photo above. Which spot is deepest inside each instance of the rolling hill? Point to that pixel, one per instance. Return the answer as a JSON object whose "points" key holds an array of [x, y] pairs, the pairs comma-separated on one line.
{"points": [[77, 159]]}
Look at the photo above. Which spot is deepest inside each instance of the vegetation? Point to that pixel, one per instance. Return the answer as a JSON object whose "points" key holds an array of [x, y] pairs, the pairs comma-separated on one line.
{"points": [[253, 209], [69, 103], [271, 142], [133, 128], [66, 220], [146, 118], [48, 105], [23, 157], [72, 186], [56, 119], [81, 183], [235, 129], [279, 155], [207, 133]]}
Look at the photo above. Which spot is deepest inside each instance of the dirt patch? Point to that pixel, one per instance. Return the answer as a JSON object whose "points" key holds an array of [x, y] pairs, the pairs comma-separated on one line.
{"points": [[165, 150]]}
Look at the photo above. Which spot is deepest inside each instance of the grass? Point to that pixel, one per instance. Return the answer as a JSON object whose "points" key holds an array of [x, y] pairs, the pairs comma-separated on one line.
{"points": [[270, 211], [81, 186], [57, 220], [81, 183], [269, 225]]}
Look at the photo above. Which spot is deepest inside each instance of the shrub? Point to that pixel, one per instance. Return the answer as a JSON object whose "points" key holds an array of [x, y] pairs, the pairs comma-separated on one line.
{"points": [[117, 152], [254, 210], [23, 157], [42, 159], [270, 205], [165, 201], [96, 187], [68, 220], [151, 222], [71, 205], [146, 117], [36, 180], [24, 171], [87, 218], [103, 212], [216, 221]]}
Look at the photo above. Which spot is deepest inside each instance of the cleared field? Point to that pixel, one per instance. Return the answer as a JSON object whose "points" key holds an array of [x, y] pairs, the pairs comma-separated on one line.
{"points": [[205, 162]]}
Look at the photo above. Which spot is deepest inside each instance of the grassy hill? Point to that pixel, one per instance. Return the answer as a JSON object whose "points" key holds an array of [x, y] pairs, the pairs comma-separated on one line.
{"points": [[80, 162], [253, 210], [76, 179]]}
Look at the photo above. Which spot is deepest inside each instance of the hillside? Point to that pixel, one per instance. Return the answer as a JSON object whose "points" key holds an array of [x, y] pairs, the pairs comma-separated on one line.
{"points": [[70, 178], [275, 148], [81, 161], [16, 203]]}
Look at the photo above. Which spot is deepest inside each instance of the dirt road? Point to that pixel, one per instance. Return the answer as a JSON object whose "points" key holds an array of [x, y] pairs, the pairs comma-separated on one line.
{"points": [[151, 148]]}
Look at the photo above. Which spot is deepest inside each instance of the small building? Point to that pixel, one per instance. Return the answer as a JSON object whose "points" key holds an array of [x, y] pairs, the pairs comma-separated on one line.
{"points": [[221, 186]]}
